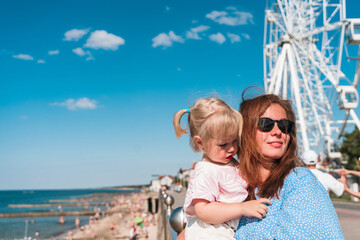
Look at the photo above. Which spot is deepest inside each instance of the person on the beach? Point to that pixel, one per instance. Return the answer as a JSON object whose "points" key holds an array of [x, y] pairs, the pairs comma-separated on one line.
{"points": [[216, 193], [301, 208], [62, 220], [70, 235], [133, 232], [77, 223], [91, 220]]}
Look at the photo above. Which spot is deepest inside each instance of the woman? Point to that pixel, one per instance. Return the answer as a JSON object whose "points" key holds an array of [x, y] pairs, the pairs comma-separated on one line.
{"points": [[301, 207]]}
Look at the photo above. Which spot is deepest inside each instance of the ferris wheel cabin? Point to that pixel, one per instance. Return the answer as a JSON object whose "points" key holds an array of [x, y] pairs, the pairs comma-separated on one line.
{"points": [[348, 98], [353, 31], [332, 150]]}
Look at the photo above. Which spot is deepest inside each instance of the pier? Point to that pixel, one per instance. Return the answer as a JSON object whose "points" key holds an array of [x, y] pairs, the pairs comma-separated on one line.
{"points": [[51, 214], [55, 205]]}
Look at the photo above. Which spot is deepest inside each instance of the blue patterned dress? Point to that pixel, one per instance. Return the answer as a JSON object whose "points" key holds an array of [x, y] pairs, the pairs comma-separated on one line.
{"points": [[303, 211]]}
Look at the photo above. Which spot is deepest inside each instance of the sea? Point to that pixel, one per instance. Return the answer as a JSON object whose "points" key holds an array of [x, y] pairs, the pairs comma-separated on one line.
{"points": [[46, 227]]}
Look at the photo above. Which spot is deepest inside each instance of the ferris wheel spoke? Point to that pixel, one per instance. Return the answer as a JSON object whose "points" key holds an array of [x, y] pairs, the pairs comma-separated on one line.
{"points": [[357, 71], [340, 54], [320, 64], [355, 118], [284, 17], [337, 9], [344, 124], [309, 93], [324, 66], [275, 19], [276, 76], [323, 29], [295, 84]]}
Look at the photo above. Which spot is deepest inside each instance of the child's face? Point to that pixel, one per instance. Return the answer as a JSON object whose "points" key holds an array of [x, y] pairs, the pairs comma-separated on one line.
{"points": [[221, 151]]}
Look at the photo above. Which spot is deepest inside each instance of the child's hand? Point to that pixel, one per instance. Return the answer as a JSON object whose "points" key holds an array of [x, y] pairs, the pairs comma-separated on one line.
{"points": [[256, 208], [344, 172]]}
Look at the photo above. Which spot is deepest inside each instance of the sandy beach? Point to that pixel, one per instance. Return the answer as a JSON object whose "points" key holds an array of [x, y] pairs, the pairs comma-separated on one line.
{"points": [[128, 214]]}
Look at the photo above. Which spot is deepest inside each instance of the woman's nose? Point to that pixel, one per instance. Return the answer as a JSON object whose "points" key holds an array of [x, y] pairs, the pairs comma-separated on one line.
{"points": [[276, 131]]}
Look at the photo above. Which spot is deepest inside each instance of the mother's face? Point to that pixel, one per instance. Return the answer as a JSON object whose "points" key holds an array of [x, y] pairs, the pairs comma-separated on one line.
{"points": [[273, 144]]}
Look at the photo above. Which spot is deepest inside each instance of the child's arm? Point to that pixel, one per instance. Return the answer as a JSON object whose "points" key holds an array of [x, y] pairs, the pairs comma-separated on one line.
{"points": [[217, 212], [346, 172], [343, 180]]}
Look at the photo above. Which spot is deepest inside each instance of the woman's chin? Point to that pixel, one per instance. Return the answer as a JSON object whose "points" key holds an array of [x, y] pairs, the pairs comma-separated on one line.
{"points": [[274, 154]]}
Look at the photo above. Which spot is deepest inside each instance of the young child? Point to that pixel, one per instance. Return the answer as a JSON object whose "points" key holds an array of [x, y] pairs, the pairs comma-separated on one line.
{"points": [[215, 197]]}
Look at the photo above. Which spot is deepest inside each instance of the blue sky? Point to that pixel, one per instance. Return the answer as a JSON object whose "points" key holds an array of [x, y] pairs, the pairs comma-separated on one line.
{"points": [[88, 88]]}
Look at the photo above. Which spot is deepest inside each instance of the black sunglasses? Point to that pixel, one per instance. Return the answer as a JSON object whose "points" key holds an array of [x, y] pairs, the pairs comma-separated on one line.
{"points": [[267, 124]]}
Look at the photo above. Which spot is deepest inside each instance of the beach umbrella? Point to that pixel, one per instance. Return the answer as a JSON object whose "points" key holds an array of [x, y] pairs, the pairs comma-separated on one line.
{"points": [[138, 220]]}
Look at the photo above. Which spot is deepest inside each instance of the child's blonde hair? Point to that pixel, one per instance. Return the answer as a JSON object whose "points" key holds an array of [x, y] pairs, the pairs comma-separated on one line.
{"points": [[209, 118]]}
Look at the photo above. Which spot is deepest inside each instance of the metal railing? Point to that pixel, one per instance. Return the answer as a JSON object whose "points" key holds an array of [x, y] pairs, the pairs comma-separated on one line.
{"points": [[170, 222]]}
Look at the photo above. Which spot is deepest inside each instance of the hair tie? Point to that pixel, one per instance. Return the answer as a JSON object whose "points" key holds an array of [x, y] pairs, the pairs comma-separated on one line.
{"points": [[188, 110]]}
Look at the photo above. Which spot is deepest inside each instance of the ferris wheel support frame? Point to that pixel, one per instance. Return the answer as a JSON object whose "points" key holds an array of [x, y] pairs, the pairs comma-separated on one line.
{"points": [[280, 74]]}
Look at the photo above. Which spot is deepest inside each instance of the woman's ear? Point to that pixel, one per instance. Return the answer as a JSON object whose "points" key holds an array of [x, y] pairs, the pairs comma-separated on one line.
{"points": [[198, 142]]}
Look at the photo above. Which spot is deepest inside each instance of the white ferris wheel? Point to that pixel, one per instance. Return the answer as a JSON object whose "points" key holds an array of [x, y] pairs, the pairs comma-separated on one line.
{"points": [[306, 59]]}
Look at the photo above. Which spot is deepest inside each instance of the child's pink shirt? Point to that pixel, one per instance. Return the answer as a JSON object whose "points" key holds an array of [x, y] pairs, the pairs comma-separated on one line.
{"points": [[215, 183]]}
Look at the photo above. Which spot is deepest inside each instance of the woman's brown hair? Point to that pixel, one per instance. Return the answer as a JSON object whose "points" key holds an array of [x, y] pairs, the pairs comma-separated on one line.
{"points": [[250, 156]]}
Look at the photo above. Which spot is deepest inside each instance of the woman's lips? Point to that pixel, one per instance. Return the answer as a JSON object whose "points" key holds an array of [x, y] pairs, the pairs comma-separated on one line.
{"points": [[229, 157], [275, 144]]}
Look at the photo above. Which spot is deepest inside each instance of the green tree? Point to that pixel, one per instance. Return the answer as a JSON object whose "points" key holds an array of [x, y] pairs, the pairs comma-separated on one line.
{"points": [[176, 180], [351, 148]]}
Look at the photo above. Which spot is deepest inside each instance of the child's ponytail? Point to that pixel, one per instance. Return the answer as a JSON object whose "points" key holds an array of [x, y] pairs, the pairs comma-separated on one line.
{"points": [[179, 131]]}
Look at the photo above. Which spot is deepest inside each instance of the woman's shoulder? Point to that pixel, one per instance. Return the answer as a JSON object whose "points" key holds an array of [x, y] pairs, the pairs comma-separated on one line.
{"points": [[299, 173], [298, 176]]}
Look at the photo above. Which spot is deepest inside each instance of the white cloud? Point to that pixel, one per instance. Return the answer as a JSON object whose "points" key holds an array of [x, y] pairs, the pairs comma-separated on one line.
{"points": [[40, 61], [75, 34], [194, 32], [216, 14], [167, 8], [23, 57], [162, 40], [200, 28], [89, 56], [175, 38], [79, 51], [232, 18], [81, 103], [234, 37], [53, 52], [192, 35], [247, 36], [23, 117], [219, 38], [166, 40], [100, 39], [231, 8]]}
